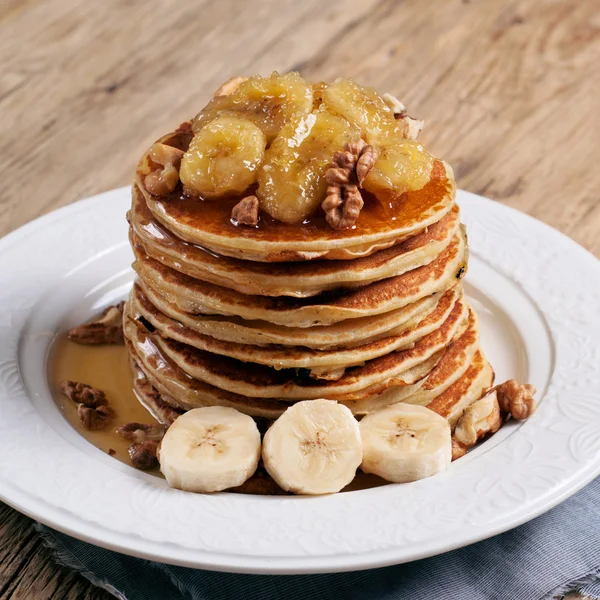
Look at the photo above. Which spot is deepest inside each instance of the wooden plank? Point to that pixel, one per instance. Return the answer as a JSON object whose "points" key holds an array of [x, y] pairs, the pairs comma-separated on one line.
{"points": [[28, 570], [508, 90]]}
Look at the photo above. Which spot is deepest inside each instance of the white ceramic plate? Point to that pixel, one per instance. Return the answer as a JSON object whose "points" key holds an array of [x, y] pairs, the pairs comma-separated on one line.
{"points": [[538, 296]]}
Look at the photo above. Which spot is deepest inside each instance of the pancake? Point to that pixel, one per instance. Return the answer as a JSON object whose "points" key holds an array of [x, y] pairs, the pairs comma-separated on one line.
{"points": [[193, 296], [258, 381], [304, 279], [452, 365], [469, 388], [381, 224], [184, 330], [187, 393], [355, 295], [348, 334], [161, 407]]}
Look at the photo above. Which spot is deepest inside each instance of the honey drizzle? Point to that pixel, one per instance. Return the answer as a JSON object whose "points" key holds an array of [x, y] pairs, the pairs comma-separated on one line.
{"points": [[379, 214], [107, 368]]}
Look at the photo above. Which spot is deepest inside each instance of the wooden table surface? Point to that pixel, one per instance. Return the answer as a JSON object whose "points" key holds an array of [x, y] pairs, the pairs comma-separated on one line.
{"points": [[509, 91]]}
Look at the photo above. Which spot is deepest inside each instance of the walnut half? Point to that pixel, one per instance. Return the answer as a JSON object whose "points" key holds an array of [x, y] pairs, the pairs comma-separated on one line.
{"points": [[343, 202], [480, 419], [94, 418], [516, 398], [82, 393], [342, 206], [92, 405], [106, 329]]}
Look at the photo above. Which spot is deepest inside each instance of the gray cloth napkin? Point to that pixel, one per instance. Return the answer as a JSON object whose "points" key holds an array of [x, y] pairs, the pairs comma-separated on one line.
{"points": [[555, 553]]}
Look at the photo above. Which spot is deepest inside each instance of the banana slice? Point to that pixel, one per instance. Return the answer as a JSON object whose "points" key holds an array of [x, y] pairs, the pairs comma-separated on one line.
{"points": [[291, 182], [402, 165], [405, 442], [223, 157], [269, 102], [210, 449], [362, 106], [313, 448]]}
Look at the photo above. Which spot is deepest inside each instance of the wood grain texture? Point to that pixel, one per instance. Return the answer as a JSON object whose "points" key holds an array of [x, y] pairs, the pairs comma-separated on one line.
{"points": [[29, 572], [508, 88]]}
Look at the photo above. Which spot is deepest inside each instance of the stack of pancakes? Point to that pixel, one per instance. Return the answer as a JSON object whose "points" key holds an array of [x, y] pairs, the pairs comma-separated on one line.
{"points": [[259, 318]]}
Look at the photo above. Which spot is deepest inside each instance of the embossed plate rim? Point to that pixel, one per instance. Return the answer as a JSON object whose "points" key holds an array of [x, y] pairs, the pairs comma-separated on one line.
{"points": [[39, 465]]}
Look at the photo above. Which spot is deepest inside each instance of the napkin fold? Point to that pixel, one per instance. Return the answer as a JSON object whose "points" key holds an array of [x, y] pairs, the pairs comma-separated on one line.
{"points": [[541, 560]]}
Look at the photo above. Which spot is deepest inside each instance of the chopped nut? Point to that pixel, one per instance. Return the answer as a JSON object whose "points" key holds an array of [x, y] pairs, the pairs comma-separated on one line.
{"points": [[94, 418], [344, 202], [397, 107], [143, 455], [81, 393], [480, 419], [516, 398], [166, 155], [413, 127], [164, 180], [111, 452], [245, 212], [107, 329], [458, 449], [140, 432]]}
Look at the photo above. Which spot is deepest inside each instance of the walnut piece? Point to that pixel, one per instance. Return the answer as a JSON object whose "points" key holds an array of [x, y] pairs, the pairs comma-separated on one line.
{"points": [[458, 449], [516, 398], [411, 127], [163, 180], [245, 212], [143, 455], [92, 405], [94, 418], [140, 432], [479, 420], [106, 329], [81, 393], [397, 107], [343, 202]]}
